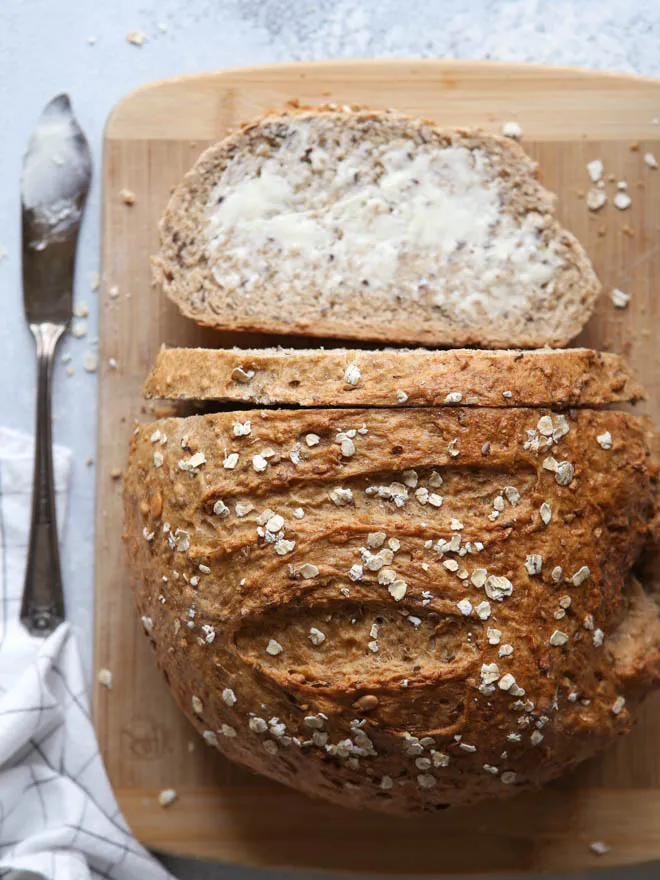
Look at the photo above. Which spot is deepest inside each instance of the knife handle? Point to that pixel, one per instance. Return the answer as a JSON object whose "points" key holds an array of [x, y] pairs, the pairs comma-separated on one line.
{"points": [[42, 609]]}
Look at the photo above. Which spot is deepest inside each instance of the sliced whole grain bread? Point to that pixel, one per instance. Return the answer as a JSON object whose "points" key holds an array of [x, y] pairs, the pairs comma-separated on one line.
{"points": [[575, 377], [357, 224]]}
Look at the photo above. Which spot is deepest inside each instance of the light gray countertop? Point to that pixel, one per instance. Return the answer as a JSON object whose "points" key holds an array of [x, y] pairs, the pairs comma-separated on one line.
{"points": [[47, 46]]}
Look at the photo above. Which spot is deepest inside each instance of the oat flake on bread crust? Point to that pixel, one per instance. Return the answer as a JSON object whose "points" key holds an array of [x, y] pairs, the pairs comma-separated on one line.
{"points": [[354, 223]]}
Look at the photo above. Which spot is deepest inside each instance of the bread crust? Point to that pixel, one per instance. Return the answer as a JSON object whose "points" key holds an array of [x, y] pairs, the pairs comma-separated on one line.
{"points": [[182, 267], [313, 377], [424, 720]]}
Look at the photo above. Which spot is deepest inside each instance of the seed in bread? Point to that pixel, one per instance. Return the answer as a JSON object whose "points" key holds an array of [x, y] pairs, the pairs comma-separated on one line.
{"points": [[372, 225]]}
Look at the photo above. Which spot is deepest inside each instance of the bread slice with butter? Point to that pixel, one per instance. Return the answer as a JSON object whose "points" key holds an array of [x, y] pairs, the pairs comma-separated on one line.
{"points": [[358, 224]]}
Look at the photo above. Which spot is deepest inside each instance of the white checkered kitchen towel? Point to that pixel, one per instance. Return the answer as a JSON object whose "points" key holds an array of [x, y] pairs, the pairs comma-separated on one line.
{"points": [[58, 816]]}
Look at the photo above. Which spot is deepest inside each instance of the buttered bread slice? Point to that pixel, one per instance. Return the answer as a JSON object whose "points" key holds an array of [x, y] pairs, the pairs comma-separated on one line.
{"points": [[351, 223]]}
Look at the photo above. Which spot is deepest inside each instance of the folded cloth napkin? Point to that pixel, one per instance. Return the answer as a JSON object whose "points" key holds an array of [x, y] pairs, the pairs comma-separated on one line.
{"points": [[58, 816]]}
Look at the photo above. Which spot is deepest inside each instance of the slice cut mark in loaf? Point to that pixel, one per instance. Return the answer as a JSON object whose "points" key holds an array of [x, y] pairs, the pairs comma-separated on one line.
{"points": [[359, 224], [572, 378]]}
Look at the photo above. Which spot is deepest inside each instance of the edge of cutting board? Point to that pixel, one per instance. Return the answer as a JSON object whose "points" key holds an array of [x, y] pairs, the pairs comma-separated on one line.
{"points": [[556, 825], [549, 100]]}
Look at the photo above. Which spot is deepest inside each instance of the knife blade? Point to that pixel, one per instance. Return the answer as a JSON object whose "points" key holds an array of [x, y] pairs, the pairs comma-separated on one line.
{"points": [[56, 175]]}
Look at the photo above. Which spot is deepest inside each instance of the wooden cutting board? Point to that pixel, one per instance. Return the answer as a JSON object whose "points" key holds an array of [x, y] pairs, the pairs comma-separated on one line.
{"points": [[152, 137]]}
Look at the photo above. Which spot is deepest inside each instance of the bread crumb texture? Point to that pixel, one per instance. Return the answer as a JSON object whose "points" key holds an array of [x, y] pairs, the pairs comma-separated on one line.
{"points": [[446, 614], [363, 224]]}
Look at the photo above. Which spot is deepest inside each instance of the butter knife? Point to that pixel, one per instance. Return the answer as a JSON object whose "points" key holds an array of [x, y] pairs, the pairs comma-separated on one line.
{"points": [[54, 185]]}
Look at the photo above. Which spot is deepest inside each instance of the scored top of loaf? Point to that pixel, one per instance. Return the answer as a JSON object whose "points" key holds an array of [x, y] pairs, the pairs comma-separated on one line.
{"points": [[353, 223], [304, 377]]}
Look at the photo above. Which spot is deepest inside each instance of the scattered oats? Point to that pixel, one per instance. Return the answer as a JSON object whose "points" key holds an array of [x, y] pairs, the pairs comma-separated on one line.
{"points": [[425, 780], [136, 38], [386, 576], [588, 622], [259, 463], [312, 440], [452, 449], [227, 730], [558, 638], [596, 199], [605, 440], [274, 523], [340, 496], [580, 576], [505, 651], [386, 783], [498, 503], [490, 673], [456, 525], [435, 480], [270, 746], [450, 564], [598, 638], [595, 170], [221, 509], [204, 568], [508, 777], [230, 461], [622, 200], [506, 682], [619, 299], [507, 394], [512, 130], [316, 637], [105, 678], [536, 738], [483, 610], [79, 329], [398, 590], [81, 310], [466, 747], [565, 602], [394, 544], [242, 376], [512, 495], [198, 706], [242, 429], [158, 459], [414, 621], [650, 160], [242, 508], [373, 647], [465, 607], [167, 797], [352, 375], [355, 572], [282, 547], [410, 478], [229, 697], [194, 581], [435, 500], [599, 848], [127, 196], [618, 705], [308, 570], [376, 539], [565, 473], [534, 564], [210, 737], [478, 577], [454, 397], [147, 535], [257, 725], [498, 587], [489, 768], [561, 428], [401, 396], [546, 512], [557, 573], [274, 648], [298, 513], [545, 426], [513, 737]]}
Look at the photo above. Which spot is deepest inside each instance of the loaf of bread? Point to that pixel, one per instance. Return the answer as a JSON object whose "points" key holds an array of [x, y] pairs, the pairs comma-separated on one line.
{"points": [[357, 224], [340, 377], [398, 608]]}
